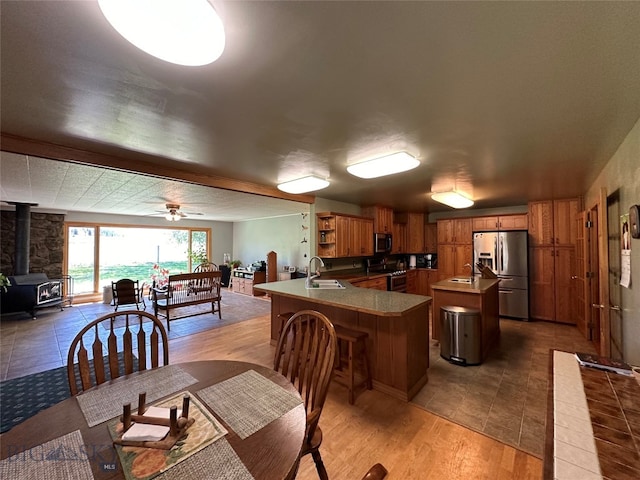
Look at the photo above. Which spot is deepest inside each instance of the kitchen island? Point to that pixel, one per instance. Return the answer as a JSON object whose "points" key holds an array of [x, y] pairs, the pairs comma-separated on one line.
{"points": [[397, 325], [481, 294]]}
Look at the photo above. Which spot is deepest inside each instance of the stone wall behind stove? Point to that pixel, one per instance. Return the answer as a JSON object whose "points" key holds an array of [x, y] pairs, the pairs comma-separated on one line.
{"points": [[46, 249]]}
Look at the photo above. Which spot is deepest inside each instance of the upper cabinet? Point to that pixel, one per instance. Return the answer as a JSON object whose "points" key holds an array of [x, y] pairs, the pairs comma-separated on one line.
{"points": [[415, 233], [502, 222], [455, 230], [431, 237], [344, 235], [552, 222], [399, 238], [382, 218]]}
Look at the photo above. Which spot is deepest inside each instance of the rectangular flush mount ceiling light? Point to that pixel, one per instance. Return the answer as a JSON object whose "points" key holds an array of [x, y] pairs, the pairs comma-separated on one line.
{"points": [[452, 198], [387, 165], [304, 184]]}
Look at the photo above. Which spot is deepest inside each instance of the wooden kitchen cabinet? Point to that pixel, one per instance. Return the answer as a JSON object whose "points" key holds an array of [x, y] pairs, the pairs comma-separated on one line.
{"points": [[425, 278], [399, 238], [430, 237], [500, 223], [455, 247], [344, 236], [378, 283], [413, 281], [445, 231], [382, 218], [513, 222], [552, 222], [552, 259], [415, 233]]}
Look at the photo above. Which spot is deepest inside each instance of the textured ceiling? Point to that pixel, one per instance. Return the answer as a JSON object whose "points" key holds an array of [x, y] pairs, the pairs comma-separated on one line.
{"points": [[506, 101]]}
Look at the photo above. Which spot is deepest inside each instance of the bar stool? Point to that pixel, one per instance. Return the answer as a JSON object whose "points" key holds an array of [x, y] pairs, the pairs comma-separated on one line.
{"points": [[351, 340]]}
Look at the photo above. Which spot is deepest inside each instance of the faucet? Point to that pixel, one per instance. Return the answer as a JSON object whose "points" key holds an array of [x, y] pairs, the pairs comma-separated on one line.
{"points": [[470, 270], [317, 274]]}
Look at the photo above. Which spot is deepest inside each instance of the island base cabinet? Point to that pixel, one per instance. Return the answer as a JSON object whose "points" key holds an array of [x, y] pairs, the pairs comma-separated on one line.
{"points": [[398, 346], [487, 303]]}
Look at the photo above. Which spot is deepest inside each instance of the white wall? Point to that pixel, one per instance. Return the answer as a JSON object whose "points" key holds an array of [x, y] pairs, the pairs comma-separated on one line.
{"points": [[253, 239], [622, 173]]}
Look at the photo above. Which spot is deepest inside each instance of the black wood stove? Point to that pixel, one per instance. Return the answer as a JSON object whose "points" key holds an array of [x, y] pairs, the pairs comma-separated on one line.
{"points": [[30, 292]]}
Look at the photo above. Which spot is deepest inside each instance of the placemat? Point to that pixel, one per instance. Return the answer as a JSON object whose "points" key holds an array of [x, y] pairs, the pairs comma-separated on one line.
{"points": [[248, 402], [140, 463], [106, 401], [63, 458], [218, 460]]}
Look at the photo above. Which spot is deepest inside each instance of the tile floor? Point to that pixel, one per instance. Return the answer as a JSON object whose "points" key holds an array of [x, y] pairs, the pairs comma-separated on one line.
{"points": [[505, 397]]}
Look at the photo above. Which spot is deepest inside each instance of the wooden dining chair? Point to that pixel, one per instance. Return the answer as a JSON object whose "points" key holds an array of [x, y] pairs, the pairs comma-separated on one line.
{"points": [[305, 355], [377, 472], [119, 344], [206, 267], [126, 292]]}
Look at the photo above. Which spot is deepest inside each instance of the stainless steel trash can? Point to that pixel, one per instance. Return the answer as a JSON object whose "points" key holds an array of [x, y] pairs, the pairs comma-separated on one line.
{"points": [[460, 335]]}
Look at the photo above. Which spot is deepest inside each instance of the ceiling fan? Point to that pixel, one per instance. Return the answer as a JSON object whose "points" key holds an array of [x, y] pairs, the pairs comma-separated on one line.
{"points": [[173, 213]]}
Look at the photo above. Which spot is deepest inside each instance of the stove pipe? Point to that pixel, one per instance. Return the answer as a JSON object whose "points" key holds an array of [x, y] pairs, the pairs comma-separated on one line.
{"points": [[23, 237]]}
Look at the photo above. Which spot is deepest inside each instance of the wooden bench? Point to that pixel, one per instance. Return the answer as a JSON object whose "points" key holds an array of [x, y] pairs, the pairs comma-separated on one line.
{"points": [[188, 289]]}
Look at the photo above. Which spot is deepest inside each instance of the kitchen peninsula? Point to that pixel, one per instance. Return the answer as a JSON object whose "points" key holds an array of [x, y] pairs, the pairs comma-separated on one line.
{"points": [[397, 325], [481, 294]]}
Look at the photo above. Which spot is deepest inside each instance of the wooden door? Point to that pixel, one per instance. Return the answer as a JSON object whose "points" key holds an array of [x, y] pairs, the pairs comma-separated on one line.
{"points": [[582, 307], [542, 292], [565, 285], [564, 225], [463, 231], [463, 257], [513, 222], [342, 236], [541, 223], [445, 231]]}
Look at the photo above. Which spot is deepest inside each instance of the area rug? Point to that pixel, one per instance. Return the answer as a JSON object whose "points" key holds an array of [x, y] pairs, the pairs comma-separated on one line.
{"points": [[23, 397]]}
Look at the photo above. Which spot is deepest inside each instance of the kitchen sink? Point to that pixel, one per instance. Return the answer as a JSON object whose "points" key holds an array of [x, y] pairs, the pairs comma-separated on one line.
{"points": [[324, 284], [461, 280]]}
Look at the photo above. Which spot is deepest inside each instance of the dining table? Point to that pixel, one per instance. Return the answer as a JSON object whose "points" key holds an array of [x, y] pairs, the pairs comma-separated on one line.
{"points": [[261, 411]]}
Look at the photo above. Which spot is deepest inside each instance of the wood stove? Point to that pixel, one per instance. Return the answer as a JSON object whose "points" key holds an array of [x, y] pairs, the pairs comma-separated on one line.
{"points": [[30, 292]]}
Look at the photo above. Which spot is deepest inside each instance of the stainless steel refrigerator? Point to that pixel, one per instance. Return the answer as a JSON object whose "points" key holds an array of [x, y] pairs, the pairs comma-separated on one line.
{"points": [[506, 254]]}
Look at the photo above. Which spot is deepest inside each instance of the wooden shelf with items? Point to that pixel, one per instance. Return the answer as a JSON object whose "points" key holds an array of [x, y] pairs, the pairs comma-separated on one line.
{"points": [[344, 235]]}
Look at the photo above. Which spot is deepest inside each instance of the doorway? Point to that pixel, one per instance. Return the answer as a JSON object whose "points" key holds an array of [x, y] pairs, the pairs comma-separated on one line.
{"points": [[614, 271], [595, 313]]}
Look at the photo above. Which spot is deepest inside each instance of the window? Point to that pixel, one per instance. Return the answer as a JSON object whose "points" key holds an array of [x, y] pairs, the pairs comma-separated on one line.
{"points": [[100, 254]]}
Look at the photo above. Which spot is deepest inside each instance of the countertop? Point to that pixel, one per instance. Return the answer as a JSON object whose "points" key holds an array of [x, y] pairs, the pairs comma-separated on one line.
{"points": [[375, 302], [479, 285]]}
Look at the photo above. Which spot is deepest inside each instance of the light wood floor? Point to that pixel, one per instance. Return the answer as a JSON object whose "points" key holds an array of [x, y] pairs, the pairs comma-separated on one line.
{"points": [[410, 442]]}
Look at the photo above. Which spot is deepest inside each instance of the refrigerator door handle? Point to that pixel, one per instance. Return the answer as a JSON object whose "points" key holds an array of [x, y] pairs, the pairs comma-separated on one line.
{"points": [[500, 240]]}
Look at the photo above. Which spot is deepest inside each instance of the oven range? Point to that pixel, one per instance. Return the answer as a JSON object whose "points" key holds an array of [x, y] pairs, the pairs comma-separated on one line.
{"points": [[396, 278]]}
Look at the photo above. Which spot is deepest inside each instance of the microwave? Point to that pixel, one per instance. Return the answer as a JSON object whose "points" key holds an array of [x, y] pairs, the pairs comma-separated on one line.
{"points": [[381, 242]]}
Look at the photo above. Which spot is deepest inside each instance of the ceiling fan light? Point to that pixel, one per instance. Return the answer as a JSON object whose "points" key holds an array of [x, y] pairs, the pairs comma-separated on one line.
{"points": [[303, 185], [172, 216], [381, 166], [452, 199], [188, 32]]}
